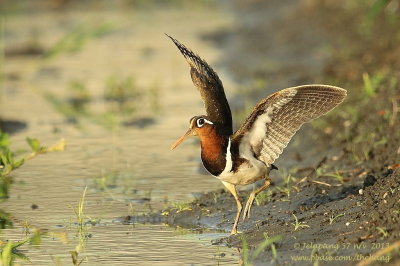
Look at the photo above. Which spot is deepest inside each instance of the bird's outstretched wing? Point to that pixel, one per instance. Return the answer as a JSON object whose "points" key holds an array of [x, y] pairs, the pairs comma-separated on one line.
{"points": [[273, 122], [210, 88]]}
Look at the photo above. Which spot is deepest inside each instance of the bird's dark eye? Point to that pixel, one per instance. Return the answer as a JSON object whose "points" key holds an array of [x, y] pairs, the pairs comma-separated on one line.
{"points": [[200, 122]]}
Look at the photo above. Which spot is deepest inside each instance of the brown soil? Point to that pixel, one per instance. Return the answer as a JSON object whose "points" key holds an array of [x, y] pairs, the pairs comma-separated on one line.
{"points": [[345, 188], [347, 220]]}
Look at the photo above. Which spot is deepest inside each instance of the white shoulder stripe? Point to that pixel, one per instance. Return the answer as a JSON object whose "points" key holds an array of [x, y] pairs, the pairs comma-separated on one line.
{"points": [[228, 164]]}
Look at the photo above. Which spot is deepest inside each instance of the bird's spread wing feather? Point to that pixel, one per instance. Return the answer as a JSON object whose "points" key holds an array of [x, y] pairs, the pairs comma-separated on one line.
{"points": [[273, 122], [210, 88]]}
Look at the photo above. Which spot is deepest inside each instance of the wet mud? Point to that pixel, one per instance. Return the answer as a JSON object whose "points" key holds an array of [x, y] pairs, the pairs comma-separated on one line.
{"points": [[336, 220], [336, 208], [334, 199]]}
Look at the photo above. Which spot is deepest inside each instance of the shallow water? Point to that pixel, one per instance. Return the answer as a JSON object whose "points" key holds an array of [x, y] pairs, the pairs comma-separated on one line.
{"points": [[127, 170], [133, 245]]}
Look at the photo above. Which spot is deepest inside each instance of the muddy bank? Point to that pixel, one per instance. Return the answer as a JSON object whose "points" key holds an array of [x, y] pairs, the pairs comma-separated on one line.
{"points": [[337, 190], [337, 199], [349, 221]]}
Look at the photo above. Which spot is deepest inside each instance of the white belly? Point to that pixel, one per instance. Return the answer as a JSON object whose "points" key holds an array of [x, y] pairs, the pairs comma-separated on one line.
{"points": [[247, 173]]}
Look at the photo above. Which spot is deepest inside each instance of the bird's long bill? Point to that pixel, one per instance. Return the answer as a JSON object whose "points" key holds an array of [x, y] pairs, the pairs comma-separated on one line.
{"points": [[189, 133]]}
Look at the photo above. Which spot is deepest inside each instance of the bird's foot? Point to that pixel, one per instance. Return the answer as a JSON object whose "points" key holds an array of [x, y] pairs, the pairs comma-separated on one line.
{"points": [[234, 231], [249, 203]]}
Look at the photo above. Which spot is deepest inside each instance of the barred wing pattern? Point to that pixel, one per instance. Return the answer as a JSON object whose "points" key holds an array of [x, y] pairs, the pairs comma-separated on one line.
{"points": [[210, 88], [274, 121]]}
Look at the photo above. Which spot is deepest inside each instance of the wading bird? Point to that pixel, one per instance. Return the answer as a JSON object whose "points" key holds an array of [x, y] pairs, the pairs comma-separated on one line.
{"points": [[246, 156]]}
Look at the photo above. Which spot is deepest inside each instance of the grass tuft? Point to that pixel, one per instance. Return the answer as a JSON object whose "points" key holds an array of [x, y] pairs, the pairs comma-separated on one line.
{"points": [[297, 225], [333, 218], [248, 259]]}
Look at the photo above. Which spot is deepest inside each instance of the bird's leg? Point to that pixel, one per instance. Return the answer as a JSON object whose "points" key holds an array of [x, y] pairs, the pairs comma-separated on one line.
{"points": [[232, 189], [246, 213]]}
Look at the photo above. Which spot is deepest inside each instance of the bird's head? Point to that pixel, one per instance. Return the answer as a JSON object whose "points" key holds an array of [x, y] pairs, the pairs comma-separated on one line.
{"points": [[199, 126]]}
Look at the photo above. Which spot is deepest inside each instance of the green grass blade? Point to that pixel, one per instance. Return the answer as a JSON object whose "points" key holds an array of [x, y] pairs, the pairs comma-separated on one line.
{"points": [[377, 8]]}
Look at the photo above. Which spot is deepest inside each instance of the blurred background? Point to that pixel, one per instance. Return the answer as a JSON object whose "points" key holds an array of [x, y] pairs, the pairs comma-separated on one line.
{"points": [[99, 88]]}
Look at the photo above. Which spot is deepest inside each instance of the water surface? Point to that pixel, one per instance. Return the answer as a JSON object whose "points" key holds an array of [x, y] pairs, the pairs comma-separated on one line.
{"points": [[126, 169]]}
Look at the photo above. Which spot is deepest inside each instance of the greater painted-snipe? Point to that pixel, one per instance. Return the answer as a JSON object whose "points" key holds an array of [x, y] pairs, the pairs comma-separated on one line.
{"points": [[246, 156]]}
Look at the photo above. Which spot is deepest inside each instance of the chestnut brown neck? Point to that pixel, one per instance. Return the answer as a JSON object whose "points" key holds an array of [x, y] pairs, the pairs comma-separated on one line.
{"points": [[213, 150]]}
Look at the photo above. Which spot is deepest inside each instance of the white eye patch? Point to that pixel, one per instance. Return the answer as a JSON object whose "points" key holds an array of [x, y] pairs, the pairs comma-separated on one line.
{"points": [[201, 121]]}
